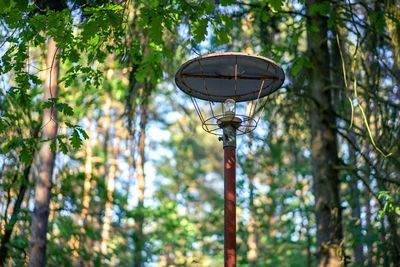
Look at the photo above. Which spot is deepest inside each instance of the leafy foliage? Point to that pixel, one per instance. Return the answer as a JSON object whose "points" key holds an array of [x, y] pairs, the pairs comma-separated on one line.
{"points": [[117, 61]]}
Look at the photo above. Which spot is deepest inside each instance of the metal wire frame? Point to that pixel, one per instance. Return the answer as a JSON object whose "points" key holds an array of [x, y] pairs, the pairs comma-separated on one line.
{"points": [[247, 124], [211, 119], [247, 121]]}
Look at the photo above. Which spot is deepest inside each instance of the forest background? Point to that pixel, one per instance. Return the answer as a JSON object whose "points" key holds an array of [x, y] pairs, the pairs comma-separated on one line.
{"points": [[104, 163]]}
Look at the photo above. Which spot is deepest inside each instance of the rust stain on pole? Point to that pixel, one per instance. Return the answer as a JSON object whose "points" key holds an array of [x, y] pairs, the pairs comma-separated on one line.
{"points": [[230, 206]]}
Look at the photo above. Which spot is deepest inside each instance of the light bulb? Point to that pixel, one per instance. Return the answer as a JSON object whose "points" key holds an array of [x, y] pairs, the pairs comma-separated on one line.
{"points": [[229, 106]]}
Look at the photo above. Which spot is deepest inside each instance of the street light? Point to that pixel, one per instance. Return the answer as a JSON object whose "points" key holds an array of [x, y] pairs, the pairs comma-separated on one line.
{"points": [[230, 79], [229, 107]]}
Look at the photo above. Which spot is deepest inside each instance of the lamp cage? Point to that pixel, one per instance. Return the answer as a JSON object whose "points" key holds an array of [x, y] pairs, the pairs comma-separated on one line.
{"points": [[219, 80]]}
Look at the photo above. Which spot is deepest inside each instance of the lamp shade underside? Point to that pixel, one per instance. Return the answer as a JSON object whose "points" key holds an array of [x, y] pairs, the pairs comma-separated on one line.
{"points": [[218, 76]]}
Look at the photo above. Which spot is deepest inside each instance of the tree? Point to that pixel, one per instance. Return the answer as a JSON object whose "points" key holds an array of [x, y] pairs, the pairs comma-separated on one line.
{"points": [[326, 183], [43, 185], [139, 238], [334, 124]]}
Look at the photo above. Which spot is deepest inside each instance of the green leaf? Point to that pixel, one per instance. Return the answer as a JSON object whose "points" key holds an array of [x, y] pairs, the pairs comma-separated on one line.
{"points": [[75, 140], [12, 144], [6, 6], [47, 104], [156, 29], [298, 65], [83, 133], [199, 30], [53, 145], [25, 155], [3, 125], [265, 17], [209, 7], [226, 2], [222, 36], [113, 7], [89, 30], [141, 73], [70, 125], [73, 55], [65, 108], [21, 4], [323, 8], [63, 147], [378, 20], [275, 5], [61, 144]]}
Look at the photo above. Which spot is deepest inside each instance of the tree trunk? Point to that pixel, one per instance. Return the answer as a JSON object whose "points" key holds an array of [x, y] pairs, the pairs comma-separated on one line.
{"points": [[86, 194], [140, 183], [337, 78], [252, 254], [112, 171], [165, 259], [355, 209], [392, 17], [88, 176], [40, 217], [309, 243], [110, 159], [6, 237], [326, 182], [368, 226]]}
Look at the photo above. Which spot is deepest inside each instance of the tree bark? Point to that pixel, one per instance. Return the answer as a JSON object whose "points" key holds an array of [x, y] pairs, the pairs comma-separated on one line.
{"points": [[368, 226], [355, 210], [105, 235], [140, 183], [86, 194], [392, 17], [43, 185], [88, 176], [110, 159], [326, 182], [337, 77], [252, 254], [6, 237], [165, 259], [252, 240]]}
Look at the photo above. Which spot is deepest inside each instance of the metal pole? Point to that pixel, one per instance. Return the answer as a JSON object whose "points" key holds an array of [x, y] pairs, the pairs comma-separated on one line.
{"points": [[229, 142]]}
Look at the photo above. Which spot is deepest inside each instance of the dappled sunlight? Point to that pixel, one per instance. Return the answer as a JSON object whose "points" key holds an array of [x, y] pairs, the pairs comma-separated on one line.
{"points": [[106, 156]]}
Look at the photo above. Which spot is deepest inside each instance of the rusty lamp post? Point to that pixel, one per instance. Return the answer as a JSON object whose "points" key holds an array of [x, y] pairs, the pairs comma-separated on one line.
{"points": [[222, 82]]}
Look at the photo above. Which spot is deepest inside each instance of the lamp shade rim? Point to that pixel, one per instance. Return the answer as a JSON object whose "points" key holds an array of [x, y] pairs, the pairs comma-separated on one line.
{"points": [[216, 77]]}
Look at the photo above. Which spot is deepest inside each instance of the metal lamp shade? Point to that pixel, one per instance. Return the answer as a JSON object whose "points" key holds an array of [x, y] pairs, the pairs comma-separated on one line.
{"points": [[217, 77]]}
